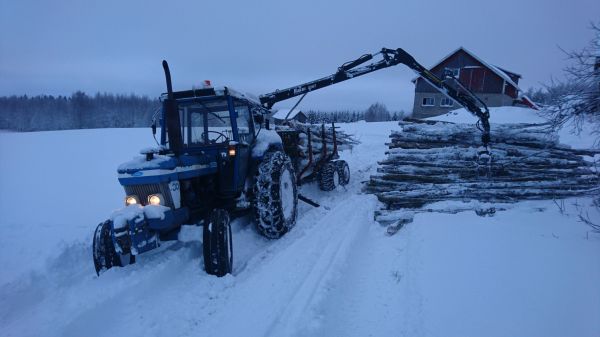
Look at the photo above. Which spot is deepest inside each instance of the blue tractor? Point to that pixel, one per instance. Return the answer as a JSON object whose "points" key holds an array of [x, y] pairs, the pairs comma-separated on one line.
{"points": [[218, 158]]}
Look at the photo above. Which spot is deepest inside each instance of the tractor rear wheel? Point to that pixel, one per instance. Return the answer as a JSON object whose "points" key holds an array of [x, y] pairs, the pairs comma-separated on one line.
{"points": [[276, 195], [217, 243], [104, 252]]}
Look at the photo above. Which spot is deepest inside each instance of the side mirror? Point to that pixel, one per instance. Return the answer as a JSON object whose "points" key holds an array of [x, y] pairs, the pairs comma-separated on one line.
{"points": [[154, 128], [258, 119]]}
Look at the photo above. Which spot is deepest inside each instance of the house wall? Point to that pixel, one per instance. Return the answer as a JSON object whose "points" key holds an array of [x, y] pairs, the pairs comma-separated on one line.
{"points": [[486, 84], [419, 111]]}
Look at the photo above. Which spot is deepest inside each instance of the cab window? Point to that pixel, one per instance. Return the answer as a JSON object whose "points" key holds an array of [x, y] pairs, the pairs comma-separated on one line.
{"points": [[243, 123]]}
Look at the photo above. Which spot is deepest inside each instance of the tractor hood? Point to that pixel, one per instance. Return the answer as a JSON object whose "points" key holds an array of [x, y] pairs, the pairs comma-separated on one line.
{"points": [[140, 163], [163, 168]]}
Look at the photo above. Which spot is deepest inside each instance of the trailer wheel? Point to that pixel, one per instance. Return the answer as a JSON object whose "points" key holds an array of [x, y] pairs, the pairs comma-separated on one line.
{"points": [[328, 177], [217, 244], [276, 195], [343, 171], [104, 252]]}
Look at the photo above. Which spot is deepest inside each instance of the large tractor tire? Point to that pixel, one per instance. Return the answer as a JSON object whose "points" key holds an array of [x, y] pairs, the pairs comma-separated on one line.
{"points": [[104, 252], [328, 177], [343, 171], [276, 195], [218, 244]]}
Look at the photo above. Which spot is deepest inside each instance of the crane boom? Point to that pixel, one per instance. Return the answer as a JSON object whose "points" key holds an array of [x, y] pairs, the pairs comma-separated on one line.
{"points": [[392, 57]]}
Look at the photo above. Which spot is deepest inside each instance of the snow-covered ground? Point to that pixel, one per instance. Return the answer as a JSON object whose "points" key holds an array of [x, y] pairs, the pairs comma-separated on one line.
{"points": [[532, 270]]}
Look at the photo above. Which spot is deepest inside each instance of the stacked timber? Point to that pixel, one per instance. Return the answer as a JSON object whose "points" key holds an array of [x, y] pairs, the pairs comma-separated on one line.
{"points": [[430, 161], [323, 134], [313, 143]]}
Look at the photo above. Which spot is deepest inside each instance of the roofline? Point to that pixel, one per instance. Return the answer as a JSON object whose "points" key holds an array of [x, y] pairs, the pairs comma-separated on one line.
{"points": [[286, 111], [508, 71], [493, 68]]}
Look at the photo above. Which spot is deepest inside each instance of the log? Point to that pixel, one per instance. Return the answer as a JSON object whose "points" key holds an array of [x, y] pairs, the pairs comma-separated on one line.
{"points": [[429, 161]]}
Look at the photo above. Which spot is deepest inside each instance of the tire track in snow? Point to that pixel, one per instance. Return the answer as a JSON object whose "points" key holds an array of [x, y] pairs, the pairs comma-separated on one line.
{"points": [[277, 286], [373, 294], [314, 287], [275, 298]]}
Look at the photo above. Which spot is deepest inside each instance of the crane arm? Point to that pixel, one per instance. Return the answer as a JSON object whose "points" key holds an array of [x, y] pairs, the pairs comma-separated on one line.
{"points": [[391, 57]]}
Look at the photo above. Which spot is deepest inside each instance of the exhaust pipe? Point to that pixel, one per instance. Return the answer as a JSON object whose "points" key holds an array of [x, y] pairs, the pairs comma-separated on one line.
{"points": [[172, 121]]}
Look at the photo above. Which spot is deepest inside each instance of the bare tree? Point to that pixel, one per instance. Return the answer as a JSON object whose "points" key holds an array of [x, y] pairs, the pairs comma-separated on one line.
{"points": [[577, 100]]}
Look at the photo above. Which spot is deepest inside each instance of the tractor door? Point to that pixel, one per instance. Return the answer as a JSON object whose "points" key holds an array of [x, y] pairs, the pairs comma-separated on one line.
{"points": [[244, 129]]}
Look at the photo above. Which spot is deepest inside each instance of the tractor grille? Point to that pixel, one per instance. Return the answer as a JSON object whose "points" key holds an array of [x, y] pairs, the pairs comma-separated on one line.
{"points": [[144, 190]]}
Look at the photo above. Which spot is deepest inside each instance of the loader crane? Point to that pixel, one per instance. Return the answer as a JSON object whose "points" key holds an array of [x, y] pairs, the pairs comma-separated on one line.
{"points": [[449, 85]]}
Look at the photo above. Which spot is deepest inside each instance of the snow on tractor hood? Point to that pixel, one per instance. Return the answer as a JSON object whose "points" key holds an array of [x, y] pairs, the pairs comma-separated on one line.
{"points": [[159, 162], [162, 168]]}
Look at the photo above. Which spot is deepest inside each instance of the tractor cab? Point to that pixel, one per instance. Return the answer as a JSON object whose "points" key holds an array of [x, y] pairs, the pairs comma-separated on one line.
{"points": [[208, 120], [210, 132]]}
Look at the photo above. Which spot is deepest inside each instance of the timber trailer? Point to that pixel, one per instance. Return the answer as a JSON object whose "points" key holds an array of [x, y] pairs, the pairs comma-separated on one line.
{"points": [[218, 158]]}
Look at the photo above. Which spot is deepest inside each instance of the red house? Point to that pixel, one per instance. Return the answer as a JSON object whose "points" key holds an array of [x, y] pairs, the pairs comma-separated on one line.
{"points": [[494, 85]]}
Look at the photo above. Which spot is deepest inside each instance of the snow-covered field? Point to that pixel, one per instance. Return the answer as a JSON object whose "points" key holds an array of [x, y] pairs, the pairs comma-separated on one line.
{"points": [[532, 270]]}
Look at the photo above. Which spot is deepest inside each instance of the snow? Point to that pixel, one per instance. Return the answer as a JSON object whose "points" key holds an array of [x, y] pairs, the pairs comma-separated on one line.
{"points": [[137, 212], [282, 113], [498, 115], [265, 139], [532, 269], [222, 89], [131, 212], [140, 163], [584, 139]]}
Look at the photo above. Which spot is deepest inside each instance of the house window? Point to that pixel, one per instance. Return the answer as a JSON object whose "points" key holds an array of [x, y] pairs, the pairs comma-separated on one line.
{"points": [[455, 72], [446, 102], [428, 101]]}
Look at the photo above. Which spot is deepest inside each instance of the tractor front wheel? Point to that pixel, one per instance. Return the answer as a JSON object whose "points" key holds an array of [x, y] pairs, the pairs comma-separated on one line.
{"points": [[104, 252], [218, 245]]}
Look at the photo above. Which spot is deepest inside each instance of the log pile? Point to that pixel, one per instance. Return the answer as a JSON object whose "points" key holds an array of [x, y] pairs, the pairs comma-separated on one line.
{"points": [[430, 161], [305, 144], [345, 141]]}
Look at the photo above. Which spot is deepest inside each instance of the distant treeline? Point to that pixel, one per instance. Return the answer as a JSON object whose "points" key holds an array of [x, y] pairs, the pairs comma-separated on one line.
{"points": [[82, 111], [79, 111], [375, 113]]}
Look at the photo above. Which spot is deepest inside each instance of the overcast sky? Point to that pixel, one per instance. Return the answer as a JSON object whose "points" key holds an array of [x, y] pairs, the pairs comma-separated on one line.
{"points": [[60, 46]]}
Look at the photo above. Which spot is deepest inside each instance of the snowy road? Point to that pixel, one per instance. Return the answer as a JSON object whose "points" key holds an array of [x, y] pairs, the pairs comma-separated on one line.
{"points": [[275, 283], [528, 271]]}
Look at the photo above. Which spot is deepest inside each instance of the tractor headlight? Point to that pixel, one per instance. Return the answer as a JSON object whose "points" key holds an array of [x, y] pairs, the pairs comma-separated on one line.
{"points": [[155, 199], [131, 200]]}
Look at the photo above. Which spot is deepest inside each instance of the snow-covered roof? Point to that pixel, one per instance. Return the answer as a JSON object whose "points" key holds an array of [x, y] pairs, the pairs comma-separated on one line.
{"points": [[222, 89], [496, 70], [529, 102], [281, 113]]}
